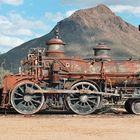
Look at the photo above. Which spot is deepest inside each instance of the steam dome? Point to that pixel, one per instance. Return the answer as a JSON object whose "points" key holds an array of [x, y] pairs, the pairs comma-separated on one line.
{"points": [[55, 46], [101, 52]]}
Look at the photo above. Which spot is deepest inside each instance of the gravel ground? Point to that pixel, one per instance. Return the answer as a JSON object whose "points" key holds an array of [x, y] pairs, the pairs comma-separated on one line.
{"points": [[70, 127]]}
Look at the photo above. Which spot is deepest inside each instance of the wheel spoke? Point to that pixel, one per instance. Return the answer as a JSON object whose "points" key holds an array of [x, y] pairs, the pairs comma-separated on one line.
{"points": [[36, 101], [88, 87], [89, 105], [35, 96], [26, 86], [76, 103], [18, 98], [32, 104], [74, 95], [83, 86], [20, 104], [28, 104], [73, 99], [77, 88], [92, 97], [92, 102], [18, 94], [21, 89]]}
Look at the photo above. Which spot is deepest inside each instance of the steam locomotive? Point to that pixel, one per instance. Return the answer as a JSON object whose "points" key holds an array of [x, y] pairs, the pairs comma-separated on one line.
{"points": [[48, 80]]}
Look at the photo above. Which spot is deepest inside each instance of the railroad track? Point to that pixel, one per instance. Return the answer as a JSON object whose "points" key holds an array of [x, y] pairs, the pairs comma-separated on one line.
{"points": [[68, 114]]}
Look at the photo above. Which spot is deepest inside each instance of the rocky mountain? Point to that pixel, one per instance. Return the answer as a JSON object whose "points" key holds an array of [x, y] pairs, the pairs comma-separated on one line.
{"points": [[82, 31]]}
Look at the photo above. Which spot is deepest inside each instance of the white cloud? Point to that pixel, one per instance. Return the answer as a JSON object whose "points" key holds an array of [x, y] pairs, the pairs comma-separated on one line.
{"points": [[7, 42], [16, 29], [20, 32], [20, 21], [10, 41], [69, 13], [55, 17], [14, 24], [119, 6], [127, 8], [11, 2], [107, 2]]}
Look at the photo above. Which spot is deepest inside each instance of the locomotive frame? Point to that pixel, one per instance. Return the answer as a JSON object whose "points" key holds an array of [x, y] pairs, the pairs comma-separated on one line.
{"points": [[48, 80]]}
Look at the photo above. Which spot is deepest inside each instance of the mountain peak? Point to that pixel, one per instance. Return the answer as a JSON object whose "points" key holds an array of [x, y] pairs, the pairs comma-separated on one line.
{"points": [[93, 17], [101, 8], [100, 11]]}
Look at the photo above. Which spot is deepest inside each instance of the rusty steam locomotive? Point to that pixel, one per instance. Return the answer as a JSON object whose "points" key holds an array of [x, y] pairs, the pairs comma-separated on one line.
{"points": [[48, 80]]}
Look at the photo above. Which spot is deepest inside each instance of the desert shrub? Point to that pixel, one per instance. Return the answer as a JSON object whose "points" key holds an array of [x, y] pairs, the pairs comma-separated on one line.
{"points": [[3, 72]]}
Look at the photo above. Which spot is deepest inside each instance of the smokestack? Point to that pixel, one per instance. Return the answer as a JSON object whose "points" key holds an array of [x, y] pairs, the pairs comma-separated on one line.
{"points": [[139, 27]]}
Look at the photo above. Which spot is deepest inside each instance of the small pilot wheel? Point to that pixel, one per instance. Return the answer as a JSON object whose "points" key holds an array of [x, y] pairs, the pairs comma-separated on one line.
{"points": [[136, 106], [24, 102], [83, 103]]}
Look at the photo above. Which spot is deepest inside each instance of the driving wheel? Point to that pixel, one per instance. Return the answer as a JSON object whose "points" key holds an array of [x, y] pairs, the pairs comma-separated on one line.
{"points": [[24, 102], [83, 103]]}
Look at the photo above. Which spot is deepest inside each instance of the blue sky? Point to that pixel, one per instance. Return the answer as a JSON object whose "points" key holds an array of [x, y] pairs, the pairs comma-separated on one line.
{"points": [[23, 20]]}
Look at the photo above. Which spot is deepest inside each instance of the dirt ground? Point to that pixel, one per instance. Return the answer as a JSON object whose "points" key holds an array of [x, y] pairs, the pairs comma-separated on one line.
{"points": [[70, 127]]}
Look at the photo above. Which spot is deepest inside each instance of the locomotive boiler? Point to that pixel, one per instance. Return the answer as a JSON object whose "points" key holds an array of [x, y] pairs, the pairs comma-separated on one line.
{"points": [[48, 80]]}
